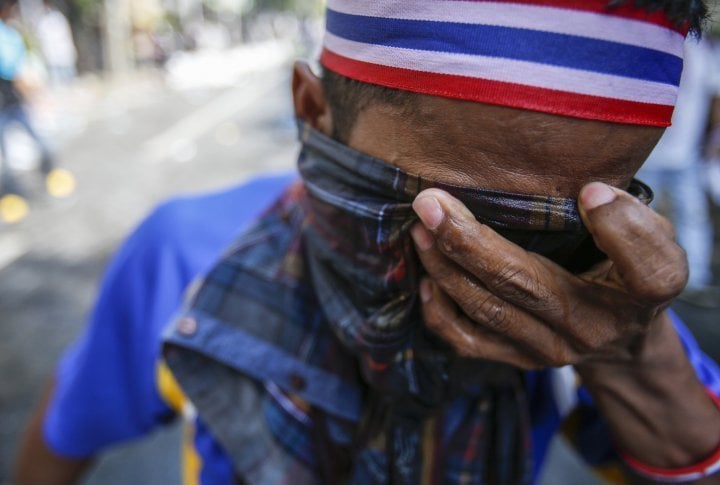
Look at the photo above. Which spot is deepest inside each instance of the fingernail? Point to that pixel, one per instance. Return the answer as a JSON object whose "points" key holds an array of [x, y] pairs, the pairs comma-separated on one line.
{"points": [[596, 194], [422, 237], [425, 290], [429, 211]]}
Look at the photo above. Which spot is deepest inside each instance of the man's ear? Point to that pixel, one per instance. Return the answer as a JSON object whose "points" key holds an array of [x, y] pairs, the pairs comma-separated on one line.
{"points": [[309, 99]]}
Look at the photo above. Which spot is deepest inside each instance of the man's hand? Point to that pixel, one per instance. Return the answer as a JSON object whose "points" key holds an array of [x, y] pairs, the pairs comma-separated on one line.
{"points": [[490, 299]]}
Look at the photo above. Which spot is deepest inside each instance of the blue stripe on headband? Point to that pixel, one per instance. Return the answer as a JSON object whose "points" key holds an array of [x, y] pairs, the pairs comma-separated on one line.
{"points": [[511, 43]]}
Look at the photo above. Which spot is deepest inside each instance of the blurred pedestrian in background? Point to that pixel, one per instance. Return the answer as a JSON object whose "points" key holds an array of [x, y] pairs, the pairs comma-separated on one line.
{"points": [[57, 46], [13, 90], [675, 169]]}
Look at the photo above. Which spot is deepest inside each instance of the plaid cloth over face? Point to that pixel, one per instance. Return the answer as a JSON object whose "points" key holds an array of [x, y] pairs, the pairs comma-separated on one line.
{"points": [[290, 403], [365, 274], [359, 215], [294, 390]]}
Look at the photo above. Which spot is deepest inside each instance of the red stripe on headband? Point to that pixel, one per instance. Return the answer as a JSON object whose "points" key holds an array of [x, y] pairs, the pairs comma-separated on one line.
{"points": [[627, 10], [501, 93]]}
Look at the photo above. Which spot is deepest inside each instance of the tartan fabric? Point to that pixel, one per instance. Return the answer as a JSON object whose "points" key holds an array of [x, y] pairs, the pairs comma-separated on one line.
{"points": [[262, 281], [362, 258], [316, 305], [346, 187]]}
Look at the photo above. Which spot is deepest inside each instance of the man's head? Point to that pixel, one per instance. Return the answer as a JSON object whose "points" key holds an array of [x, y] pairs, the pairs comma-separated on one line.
{"points": [[7, 8], [488, 144]]}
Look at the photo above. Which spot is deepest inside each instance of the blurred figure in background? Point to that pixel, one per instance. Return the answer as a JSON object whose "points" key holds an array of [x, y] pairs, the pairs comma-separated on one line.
{"points": [[674, 169], [12, 55], [57, 46], [13, 90]]}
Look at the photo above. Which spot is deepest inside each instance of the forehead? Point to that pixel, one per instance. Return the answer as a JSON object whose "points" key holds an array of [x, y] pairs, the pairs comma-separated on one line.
{"points": [[469, 143]]}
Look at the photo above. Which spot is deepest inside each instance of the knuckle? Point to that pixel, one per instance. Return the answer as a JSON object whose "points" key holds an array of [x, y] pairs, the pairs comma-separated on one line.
{"points": [[665, 281], [454, 239], [461, 241], [674, 283], [490, 311], [509, 280], [637, 224], [523, 287]]}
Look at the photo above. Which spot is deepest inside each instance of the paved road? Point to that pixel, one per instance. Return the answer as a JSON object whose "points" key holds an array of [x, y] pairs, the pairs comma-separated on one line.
{"points": [[129, 149]]}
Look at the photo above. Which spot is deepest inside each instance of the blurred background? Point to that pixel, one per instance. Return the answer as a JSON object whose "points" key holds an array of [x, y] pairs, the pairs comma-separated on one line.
{"points": [[139, 100]]}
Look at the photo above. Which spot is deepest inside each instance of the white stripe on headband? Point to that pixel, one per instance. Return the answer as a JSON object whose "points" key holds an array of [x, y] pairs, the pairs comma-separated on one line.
{"points": [[507, 70], [522, 16]]}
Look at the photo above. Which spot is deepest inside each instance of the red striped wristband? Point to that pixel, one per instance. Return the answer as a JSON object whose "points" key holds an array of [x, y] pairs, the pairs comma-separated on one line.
{"points": [[703, 469]]}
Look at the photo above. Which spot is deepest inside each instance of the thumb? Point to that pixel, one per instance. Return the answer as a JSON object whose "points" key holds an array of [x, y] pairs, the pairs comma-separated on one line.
{"points": [[639, 242]]}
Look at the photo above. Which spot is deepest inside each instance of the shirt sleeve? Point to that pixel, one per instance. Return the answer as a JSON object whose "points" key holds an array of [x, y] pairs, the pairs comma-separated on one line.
{"points": [[106, 382], [588, 432]]}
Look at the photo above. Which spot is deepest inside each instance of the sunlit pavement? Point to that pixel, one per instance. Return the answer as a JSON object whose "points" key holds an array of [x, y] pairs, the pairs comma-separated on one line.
{"points": [[129, 145]]}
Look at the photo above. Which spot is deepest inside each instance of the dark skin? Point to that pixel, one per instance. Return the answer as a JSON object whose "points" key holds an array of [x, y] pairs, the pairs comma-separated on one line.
{"points": [[492, 300], [36, 463]]}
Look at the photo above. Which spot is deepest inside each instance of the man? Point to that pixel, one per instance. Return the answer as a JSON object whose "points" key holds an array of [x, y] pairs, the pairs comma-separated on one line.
{"points": [[13, 88], [341, 340], [57, 45]]}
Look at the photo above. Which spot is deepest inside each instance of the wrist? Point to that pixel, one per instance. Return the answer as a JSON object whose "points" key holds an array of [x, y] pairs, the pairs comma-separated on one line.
{"points": [[657, 350], [657, 409], [708, 466]]}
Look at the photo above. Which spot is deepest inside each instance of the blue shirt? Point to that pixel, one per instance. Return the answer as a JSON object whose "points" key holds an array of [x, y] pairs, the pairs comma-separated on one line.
{"points": [[106, 381]]}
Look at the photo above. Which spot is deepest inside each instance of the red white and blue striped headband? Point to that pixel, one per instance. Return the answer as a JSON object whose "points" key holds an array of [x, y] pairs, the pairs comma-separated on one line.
{"points": [[574, 58]]}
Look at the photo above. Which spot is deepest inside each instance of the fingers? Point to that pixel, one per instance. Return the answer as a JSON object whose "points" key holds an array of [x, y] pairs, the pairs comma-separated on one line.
{"points": [[509, 271], [639, 242], [468, 340], [493, 313], [512, 292]]}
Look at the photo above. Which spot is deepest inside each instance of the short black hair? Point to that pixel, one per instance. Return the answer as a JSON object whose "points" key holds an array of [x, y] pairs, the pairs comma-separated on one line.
{"points": [[683, 13], [8, 3], [348, 98]]}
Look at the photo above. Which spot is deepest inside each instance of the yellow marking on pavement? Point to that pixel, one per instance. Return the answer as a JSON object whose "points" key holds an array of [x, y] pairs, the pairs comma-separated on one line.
{"points": [[13, 208], [60, 183]]}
